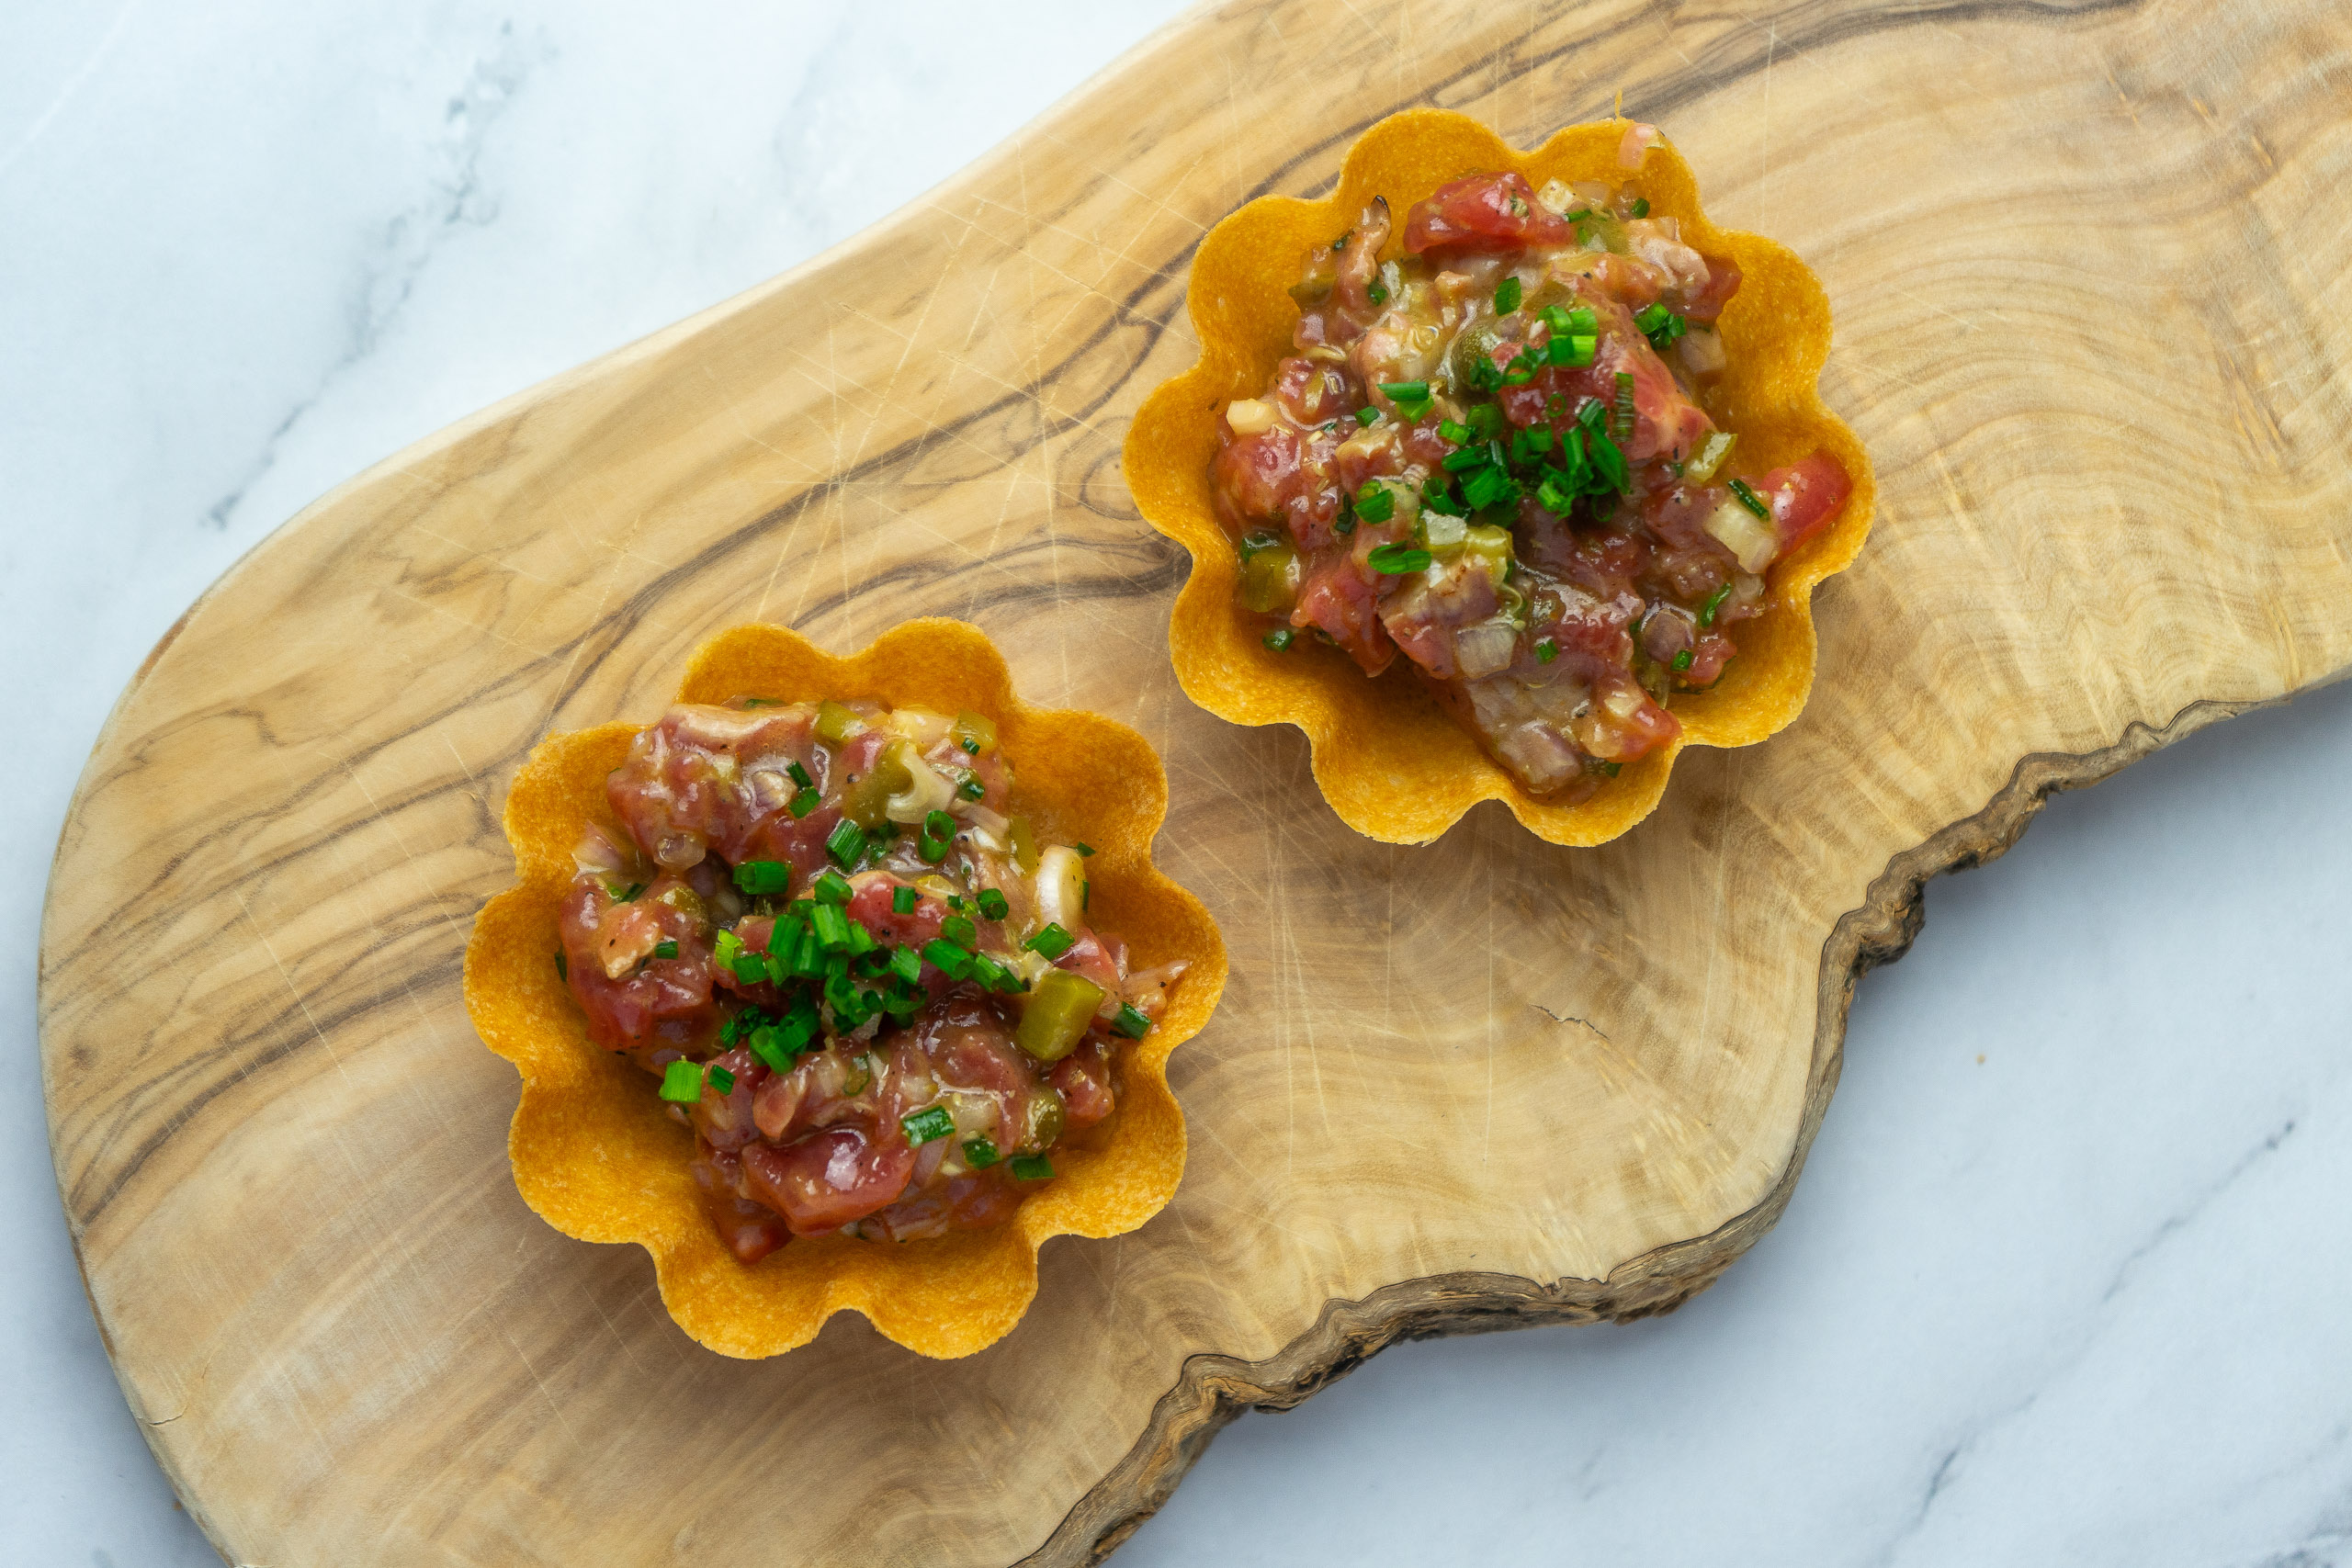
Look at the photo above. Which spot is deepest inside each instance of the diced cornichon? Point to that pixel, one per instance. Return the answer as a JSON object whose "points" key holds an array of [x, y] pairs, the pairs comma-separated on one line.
{"points": [[974, 733], [1057, 1014], [867, 802], [836, 724], [1269, 575]]}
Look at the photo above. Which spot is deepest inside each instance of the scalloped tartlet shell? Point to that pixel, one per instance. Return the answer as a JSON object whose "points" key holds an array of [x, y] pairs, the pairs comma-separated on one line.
{"points": [[596, 1157], [1392, 764]]}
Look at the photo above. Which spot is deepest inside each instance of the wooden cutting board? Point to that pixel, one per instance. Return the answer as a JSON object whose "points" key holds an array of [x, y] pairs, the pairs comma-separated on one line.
{"points": [[2089, 270]]}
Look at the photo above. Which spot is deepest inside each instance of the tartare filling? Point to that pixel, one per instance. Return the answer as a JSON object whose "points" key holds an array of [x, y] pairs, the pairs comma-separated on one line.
{"points": [[1493, 453], [864, 978]]}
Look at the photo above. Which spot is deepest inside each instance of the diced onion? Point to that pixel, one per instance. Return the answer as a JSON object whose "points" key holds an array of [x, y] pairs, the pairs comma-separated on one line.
{"points": [[1703, 351], [1443, 533], [1623, 701], [927, 791], [1748, 538], [1555, 197], [1250, 416], [1061, 888], [922, 726], [1482, 649]]}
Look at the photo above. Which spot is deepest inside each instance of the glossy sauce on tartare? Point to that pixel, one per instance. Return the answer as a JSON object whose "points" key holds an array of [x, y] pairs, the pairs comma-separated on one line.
{"points": [[860, 976], [1492, 454]]}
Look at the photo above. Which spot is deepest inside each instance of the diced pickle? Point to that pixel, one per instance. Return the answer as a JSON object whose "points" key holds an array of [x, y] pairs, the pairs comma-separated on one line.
{"points": [[1025, 843], [1270, 578], [1713, 449], [977, 729], [867, 802], [1490, 546], [1058, 1013], [836, 724], [1042, 1120]]}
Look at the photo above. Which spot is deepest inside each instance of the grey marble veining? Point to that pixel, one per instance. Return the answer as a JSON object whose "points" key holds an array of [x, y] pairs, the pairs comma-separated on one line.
{"points": [[2065, 1278]]}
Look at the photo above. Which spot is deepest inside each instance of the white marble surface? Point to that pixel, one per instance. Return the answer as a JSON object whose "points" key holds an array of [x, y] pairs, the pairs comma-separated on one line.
{"points": [[2066, 1278]]}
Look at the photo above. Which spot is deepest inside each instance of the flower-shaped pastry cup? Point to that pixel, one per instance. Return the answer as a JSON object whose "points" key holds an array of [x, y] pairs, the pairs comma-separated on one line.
{"points": [[1387, 758], [597, 1159]]}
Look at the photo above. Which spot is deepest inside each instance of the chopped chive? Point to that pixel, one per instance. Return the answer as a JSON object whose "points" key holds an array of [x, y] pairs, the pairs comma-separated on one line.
{"points": [[1375, 503], [1405, 391], [902, 900], [939, 825], [804, 803], [1641, 207], [1507, 294], [1612, 769], [1574, 351], [1485, 374], [926, 1124], [1434, 499], [1489, 486], [959, 930], [757, 876], [1396, 560], [1715, 603], [832, 926], [1083, 849], [979, 1154], [1366, 416], [1031, 1167], [1466, 457], [681, 1082], [906, 963], [1280, 639], [1624, 409], [1682, 660], [1376, 292], [750, 968], [846, 844], [624, 896], [665, 949], [563, 968], [993, 906], [1050, 943], [763, 702], [1546, 650], [1750, 499], [1131, 1021], [971, 788], [947, 958], [831, 888], [800, 776], [1453, 431], [721, 1080], [1085, 896]]}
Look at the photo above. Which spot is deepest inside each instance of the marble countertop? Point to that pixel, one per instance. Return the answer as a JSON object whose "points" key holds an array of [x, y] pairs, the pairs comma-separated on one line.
{"points": [[2065, 1277]]}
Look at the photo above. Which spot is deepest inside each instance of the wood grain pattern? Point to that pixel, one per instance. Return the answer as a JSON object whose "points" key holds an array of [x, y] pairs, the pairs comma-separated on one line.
{"points": [[2088, 265]]}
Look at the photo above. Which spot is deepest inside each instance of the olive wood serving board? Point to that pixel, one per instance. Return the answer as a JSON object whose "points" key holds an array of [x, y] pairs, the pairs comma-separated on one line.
{"points": [[2089, 266]]}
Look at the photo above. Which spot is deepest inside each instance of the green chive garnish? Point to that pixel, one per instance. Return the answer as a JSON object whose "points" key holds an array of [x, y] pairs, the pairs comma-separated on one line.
{"points": [[1750, 499], [902, 900], [1682, 660], [804, 803], [1375, 503], [831, 888], [756, 877], [625, 895], [906, 963], [1031, 1167], [924, 1125], [665, 949], [1051, 942], [1396, 560], [1366, 416], [993, 906], [1507, 297], [1546, 650], [1715, 603], [832, 926], [971, 789], [1083, 849], [1405, 391], [1641, 207], [721, 1080], [800, 776], [1280, 639], [846, 844], [1131, 1021], [681, 1082], [959, 930], [979, 1154], [947, 958]]}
